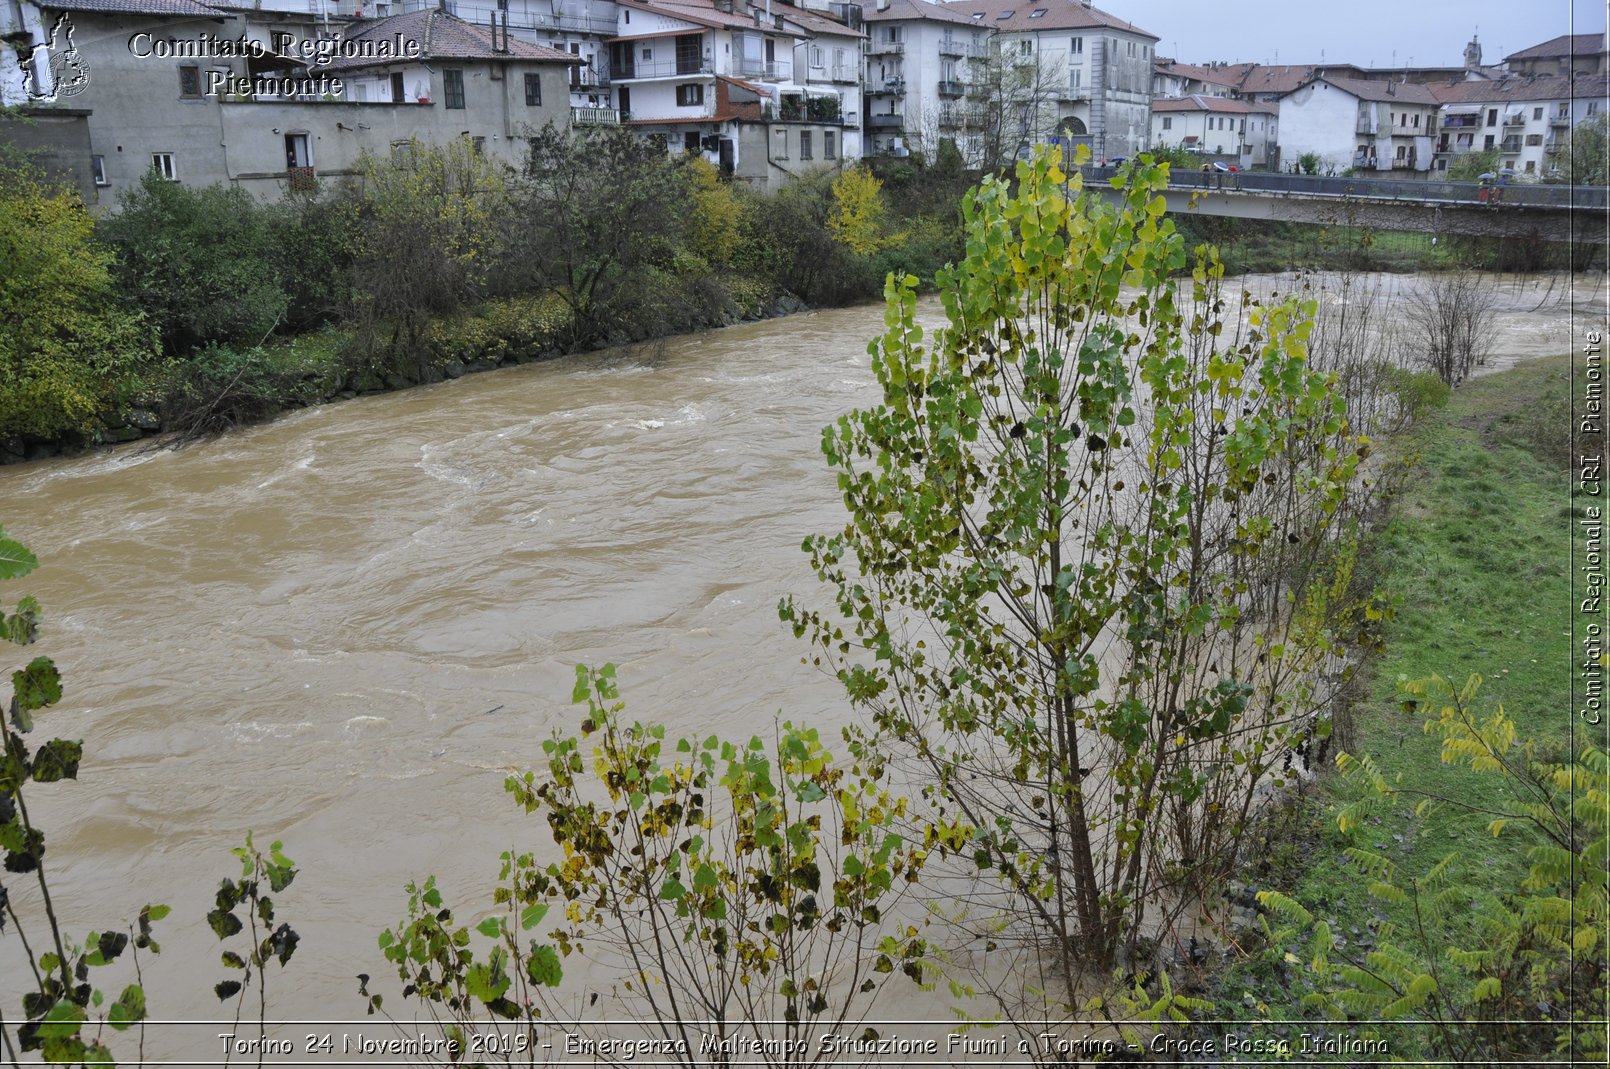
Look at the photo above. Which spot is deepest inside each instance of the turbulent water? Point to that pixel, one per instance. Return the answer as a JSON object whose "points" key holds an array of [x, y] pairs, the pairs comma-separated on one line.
{"points": [[344, 628]]}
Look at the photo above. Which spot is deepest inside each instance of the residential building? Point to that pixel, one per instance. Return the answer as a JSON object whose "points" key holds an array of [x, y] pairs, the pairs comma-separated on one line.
{"points": [[272, 99], [1525, 118], [1569, 55], [918, 57], [719, 79], [1091, 70], [1240, 132], [1171, 78], [1356, 124]]}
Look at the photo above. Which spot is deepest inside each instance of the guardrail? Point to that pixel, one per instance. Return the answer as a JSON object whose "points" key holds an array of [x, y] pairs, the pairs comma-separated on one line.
{"points": [[1400, 189]]}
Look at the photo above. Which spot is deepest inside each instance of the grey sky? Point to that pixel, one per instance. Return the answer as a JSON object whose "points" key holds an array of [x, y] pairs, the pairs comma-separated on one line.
{"points": [[1366, 32]]}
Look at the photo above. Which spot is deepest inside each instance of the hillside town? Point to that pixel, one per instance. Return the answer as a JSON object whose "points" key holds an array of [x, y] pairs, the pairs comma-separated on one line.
{"points": [[271, 94]]}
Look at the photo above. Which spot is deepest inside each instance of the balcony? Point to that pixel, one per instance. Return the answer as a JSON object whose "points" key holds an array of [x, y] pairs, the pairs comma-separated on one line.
{"points": [[302, 179], [1072, 94], [1561, 122], [886, 48], [894, 87], [885, 122], [668, 68], [951, 47], [765, 71], [594, 117], [1366, 126], [849, 74], [1510, 144], [588, 78], [951, 89], [1514, 120]]}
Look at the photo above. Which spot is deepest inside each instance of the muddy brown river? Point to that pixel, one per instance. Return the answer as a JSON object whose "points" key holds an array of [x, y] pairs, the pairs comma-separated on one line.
{"points": [[343, 628]]}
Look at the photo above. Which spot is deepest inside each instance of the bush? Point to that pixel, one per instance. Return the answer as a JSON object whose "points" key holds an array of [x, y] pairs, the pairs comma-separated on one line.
{"points": [[68, 347], [201, 263]]}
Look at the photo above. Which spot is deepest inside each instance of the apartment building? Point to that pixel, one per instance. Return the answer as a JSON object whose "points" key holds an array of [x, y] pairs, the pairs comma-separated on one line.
{"points": [[270, 98], [1361, 125], [1525, 118], [1240, 132]]}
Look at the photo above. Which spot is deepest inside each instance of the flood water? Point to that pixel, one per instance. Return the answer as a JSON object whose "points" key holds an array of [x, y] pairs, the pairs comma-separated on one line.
{"points": [[342, 629]]}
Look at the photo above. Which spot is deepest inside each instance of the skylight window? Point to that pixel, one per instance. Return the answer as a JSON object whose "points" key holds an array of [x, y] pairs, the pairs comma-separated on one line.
{"points": [[977, 15], [1003, 16], [1037, 13]]}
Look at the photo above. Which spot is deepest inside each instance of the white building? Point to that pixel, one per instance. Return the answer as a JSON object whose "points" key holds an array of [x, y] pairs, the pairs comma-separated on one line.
{"points": [[1524, 118], [917, 57], [1353, 124], [1241, 132]]}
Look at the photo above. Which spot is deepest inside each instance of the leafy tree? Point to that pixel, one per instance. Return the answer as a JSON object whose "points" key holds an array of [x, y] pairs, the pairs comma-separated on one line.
{"points": [[427, 241], [1309, 163], [741, 897], [718, 215], [597, 212], [859, 217], [1583, 157], [61, 1000], [1472, 165], [199, 261], [67, 344], [1095, 565]]}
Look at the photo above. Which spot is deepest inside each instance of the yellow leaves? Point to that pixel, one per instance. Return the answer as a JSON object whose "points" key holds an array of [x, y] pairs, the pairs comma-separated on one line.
{"points": [[858, 219]]}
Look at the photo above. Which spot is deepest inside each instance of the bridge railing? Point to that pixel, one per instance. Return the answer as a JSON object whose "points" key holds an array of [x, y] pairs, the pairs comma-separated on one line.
{"points": [[1556, 196]]}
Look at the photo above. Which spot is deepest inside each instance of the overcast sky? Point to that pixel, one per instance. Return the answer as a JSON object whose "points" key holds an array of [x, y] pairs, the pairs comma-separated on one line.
{"points": [[1430, 33]]}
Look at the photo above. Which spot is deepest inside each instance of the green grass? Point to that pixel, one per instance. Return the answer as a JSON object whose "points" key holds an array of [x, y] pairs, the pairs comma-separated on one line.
{"points": [[1475, 558]]}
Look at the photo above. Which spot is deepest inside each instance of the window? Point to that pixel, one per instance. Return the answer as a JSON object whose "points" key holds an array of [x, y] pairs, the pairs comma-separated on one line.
{"points": [[97, 167], [533, 90], [1537, 113], [1593, 107], [648, 55], [1565, 111], [1403, 152], [478, 146], [1078, 46], [1531, 166], [1488, 142], [1492, 116], [830, 148], [298, 152], [805, 145], [1025, 46], [689, 53], [397, 90], [1534, 139], [689, 95], [453, 88], [402, 152], [1037, 13], [162, 164], [1076, 77], [690, 141], [190, 82], [1168, 123]]}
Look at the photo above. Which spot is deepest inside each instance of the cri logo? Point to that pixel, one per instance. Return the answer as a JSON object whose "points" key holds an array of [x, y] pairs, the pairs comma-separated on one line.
{"points": [[68, 73]]}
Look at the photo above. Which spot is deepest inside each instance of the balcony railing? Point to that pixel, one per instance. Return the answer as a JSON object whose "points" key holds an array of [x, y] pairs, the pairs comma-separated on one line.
{"points": [[886, 48], [1562, 121], [589, 77], [1510, 144], [667, 68], [951, 89], [850, 73], [1514, 120], [302, 179], [770, 72], [885, 122], [1073, 93], [594, 117]]}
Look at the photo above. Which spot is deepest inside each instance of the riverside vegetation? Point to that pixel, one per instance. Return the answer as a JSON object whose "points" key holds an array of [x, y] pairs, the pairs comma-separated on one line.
{"points": [[1100, 586], [192, 310]]}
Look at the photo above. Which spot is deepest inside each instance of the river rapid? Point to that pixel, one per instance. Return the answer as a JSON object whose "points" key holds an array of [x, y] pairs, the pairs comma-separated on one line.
{"points": [[344, 628]]}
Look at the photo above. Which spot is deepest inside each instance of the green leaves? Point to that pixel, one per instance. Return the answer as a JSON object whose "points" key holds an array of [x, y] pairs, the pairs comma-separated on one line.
{"points": [[16, 560]]}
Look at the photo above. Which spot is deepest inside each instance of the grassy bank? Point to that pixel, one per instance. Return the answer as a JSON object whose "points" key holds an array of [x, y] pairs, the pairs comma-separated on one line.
{"points": [[1475, 559]]}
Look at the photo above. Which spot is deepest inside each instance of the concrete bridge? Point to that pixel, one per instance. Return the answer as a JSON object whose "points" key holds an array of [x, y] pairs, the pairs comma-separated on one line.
{"points": [[1565, 214]]}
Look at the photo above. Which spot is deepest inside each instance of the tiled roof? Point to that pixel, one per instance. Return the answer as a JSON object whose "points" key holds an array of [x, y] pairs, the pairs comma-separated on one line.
{"points": [[1515, 88], [707, 14], [441, 36], [1202, 102], [1567, 44], [169, 8], [816, 22], [1214, 75], [1280, 77], [1059, 15], [915, 9], [1401, 92]]}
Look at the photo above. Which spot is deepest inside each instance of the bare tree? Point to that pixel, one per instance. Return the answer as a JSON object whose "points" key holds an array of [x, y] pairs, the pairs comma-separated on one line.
{"points": [[1011, 103], [1449, 326]]}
